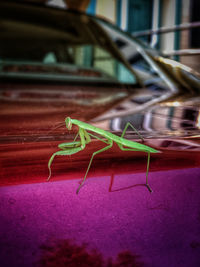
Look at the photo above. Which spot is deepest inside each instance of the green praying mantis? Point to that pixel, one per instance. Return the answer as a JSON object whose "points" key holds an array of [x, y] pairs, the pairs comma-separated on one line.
{"points": [[85, 138]]}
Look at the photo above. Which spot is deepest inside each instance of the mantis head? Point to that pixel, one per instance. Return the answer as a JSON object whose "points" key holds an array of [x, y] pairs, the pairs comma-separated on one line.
{"points": [[68, 123]]}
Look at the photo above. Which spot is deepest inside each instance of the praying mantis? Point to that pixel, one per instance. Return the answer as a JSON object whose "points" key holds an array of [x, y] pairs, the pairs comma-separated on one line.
{"points": [[85, 138]]}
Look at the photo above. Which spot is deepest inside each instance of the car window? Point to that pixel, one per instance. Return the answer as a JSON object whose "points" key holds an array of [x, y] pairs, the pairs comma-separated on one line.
{"points": [[133, 51], [59, 48]]}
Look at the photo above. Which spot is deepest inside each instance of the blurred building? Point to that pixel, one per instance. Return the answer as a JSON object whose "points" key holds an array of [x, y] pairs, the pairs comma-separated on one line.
{"points": [[137, 16], [140, 15]]}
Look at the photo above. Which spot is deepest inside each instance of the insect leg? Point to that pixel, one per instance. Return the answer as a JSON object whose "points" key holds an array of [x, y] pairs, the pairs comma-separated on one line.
{"points": [[82, 134], [87, 137], [64, 146], [128, 149], [65, 152], [102, 140], [83, 137], [95, 153], [76, 136], [148, 161], [129, 124], [147, 185]]}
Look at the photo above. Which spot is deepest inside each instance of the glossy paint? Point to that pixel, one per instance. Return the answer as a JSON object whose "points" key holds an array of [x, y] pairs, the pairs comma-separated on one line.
{"points": [[114, 213]]}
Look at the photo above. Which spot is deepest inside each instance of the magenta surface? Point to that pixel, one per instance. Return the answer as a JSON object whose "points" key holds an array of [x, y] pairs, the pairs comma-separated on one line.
{"points": [[163, 228]]}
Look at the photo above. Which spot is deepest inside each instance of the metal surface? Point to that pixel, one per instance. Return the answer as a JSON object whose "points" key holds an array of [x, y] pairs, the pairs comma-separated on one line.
{"points": [[181, 27], [183, 52], [114, 213], [163, 104]]}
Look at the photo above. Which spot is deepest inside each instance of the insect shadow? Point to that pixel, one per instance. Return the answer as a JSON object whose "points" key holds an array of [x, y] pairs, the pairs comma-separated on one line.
{"points": [[110, 189]]}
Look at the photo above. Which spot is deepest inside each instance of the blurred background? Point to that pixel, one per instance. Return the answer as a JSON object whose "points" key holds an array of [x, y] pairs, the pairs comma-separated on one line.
{"points": [[171, 26]]}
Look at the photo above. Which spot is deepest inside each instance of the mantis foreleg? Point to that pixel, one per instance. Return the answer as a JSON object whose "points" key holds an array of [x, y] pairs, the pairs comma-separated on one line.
{"points": [[84, 137], [67, 152], [71, 147], [65, 146], [76, 136], [126, 127], [110, 142]]}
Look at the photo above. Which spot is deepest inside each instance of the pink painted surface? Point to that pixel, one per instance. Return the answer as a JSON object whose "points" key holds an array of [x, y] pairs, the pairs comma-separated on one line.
{"points": [[162, 227]]}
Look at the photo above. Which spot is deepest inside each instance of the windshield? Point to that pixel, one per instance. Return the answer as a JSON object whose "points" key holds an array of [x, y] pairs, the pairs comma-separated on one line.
{"points": [[157, 72], [135, 53], [59, 49]]}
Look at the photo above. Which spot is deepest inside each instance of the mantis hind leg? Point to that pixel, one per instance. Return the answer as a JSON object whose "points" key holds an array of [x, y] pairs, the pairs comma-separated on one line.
{"points": [[148, 162], [95, 153], [147, 185], [126, 127]]}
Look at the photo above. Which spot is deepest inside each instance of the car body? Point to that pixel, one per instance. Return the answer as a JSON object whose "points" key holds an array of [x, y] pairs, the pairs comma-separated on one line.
{"points": [[52, 68], [57, 63]]}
